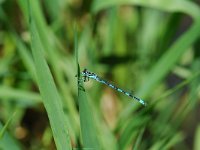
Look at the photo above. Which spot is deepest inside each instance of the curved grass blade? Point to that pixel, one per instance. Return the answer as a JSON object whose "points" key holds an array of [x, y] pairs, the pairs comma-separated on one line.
{"points": [[88, 128], [139, 138], [6, 141], [48, 90], [2, 131], [20, 95], [186, 7], [197, 137], [48, 39]]}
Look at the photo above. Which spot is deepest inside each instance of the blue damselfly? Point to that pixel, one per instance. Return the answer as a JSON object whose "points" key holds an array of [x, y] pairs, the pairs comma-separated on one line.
{"points": [[87, 74]]}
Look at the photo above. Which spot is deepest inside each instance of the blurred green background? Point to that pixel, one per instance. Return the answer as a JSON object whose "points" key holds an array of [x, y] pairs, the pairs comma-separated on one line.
{"points": [[149, 47]]}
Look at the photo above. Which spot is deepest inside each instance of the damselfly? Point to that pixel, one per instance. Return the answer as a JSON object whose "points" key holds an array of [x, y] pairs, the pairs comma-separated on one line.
{"points": [[87, 74]]}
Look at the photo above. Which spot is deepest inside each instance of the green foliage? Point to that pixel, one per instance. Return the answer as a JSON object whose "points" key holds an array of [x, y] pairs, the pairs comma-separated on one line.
{"points": [[89, 134], [145, 46], [49, 93], [6, 141]]}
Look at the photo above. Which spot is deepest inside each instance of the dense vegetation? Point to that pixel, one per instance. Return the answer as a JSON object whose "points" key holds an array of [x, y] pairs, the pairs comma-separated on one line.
{"points": [[150, 47]]}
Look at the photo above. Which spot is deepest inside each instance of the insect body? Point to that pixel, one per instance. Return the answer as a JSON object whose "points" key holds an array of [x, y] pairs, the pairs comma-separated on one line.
{"points": [[87, 74]]}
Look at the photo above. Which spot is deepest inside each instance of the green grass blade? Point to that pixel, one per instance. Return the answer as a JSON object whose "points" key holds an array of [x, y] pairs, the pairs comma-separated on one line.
{"points": [[20, 95], [88, 128], [49, 93], [130, 130], [196, 140], [186, 7], [2, 131], [56, 60], [52, 53], [6, 141], [138, 141], [179, 86]]}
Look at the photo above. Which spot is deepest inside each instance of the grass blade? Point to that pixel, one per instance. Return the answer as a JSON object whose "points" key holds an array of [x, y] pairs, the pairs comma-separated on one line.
{"points": [[196, 140], [2, 131], [88, 130], [49, 93], [6, 141], [20, 95], [139, 138]]}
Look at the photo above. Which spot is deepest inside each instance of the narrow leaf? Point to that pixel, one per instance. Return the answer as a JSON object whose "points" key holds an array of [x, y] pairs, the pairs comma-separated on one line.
{"points": [[49, 93]]}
